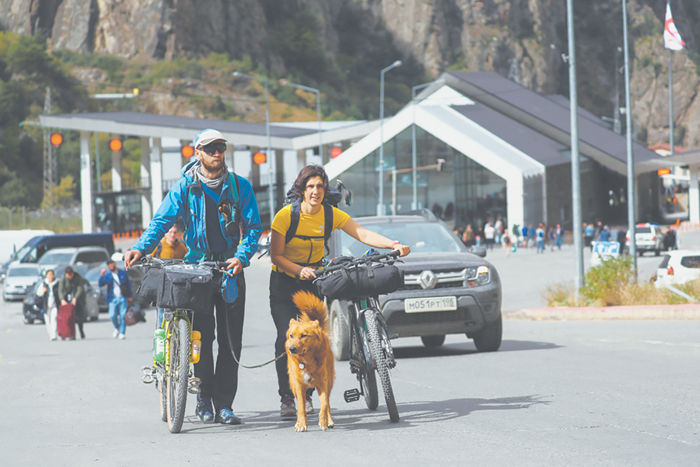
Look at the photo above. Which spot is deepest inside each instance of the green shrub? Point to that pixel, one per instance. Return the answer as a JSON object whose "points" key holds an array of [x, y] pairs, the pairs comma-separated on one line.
{"points": [[603, 282]]}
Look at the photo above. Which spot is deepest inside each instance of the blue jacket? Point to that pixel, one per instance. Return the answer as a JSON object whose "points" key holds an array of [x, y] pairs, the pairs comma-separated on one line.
{"points": [[109, 280], [193, 211]]}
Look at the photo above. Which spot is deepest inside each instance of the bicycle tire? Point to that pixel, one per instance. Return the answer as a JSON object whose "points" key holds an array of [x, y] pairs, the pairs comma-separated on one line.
{"points": [[382, 364], [178, 374], [368, 380]]}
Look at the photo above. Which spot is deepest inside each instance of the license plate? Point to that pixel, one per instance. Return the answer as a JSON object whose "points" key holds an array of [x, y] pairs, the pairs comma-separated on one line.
{"points": [[420, 305]]}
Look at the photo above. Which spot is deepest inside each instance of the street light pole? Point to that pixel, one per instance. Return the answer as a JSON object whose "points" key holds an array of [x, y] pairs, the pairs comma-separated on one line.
{"points": [[631, 203], [414, 156], [318, 110], [380, 206], [267, 130]]}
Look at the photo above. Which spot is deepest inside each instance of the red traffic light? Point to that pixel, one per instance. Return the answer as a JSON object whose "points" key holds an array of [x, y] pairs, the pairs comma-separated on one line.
{"points": [[259, 158], [336, 151], [661, 172], [56, 139], [187, 151], [115, 144]]}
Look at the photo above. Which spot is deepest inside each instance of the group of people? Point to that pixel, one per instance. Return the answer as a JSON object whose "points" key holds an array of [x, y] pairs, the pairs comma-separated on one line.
{"points": [[231, 234], [526, 237], [489, 235], [56, 292]]}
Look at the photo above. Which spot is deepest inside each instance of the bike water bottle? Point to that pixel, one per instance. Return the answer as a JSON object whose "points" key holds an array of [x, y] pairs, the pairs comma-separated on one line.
{"points": [[159, 345], [196, 346]]}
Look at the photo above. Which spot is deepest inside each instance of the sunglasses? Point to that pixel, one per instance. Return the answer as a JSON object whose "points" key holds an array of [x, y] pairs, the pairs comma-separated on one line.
{"points": [[213, 148]]}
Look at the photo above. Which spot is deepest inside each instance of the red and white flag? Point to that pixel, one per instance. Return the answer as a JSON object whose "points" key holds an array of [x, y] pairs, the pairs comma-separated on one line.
{"points": [[672, 38]]}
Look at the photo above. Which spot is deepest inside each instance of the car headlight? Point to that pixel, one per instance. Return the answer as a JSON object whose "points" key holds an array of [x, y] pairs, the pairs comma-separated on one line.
{"points": [[478, 275]]}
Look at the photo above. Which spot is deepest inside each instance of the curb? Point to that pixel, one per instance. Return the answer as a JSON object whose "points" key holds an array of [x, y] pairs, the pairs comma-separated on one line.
{"points": [[612, 313]]}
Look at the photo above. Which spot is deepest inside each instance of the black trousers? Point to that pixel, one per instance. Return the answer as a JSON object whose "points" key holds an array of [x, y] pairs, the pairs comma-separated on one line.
{"points": [[220, 383], [283, 309]]}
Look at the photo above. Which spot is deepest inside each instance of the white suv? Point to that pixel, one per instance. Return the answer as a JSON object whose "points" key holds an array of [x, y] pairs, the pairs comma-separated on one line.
{"points": [[80, 258], [648, 238], [678, 267]]}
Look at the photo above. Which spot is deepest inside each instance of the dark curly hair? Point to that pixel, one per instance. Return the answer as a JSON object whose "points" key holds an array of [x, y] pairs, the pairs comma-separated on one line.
{"points": [[305, 174]]}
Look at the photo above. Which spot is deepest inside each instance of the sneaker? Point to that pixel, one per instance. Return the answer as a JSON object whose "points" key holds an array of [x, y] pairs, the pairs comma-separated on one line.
{"points": [[288, 409], [204, 410], [115, 333], [121, 336], [309, 404], [226, 416]]}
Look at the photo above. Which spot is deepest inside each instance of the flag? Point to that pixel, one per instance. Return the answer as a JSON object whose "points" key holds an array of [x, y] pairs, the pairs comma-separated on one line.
{"points": [[672, 39]]}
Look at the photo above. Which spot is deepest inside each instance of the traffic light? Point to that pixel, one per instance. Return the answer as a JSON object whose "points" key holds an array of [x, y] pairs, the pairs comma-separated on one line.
{"points": [[187, 151], [259, 158], [115, 144], [56, 139]]}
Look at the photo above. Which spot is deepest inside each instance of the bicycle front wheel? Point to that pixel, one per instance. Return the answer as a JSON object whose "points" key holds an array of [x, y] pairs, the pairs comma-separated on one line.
{"points": [[381, 360], [367, 378], [178, 374]]}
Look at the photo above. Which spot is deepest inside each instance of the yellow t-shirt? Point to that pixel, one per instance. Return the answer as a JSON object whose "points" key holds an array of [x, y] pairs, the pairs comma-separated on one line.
{"points": [[306, 251]]}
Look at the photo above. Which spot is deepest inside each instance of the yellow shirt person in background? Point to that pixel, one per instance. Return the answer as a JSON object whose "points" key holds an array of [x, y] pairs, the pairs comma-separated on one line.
{"points": [[294, 262], [170, 247]]}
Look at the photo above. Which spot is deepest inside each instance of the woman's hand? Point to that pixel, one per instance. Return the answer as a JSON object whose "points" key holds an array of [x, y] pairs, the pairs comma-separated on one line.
{"points": [[404, 249], [306, 274]]}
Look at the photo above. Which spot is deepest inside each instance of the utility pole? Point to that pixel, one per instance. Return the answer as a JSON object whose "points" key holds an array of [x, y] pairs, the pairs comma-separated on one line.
{"points": [[631, 196], [49, 160]]}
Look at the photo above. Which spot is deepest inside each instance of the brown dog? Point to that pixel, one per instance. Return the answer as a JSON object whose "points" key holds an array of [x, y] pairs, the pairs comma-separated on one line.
{"points": [[310, 358]]}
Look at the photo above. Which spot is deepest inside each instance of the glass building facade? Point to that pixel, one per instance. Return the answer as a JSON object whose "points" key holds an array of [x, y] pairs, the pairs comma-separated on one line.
{"points": [[462, 192]]}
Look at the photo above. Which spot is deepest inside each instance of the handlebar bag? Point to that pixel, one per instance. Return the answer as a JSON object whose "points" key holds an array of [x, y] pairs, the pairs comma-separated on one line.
{"points": [[147, 293], [187, 287], [361, 281]]}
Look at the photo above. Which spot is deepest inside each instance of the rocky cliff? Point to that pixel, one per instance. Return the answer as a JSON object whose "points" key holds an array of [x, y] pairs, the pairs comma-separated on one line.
{"points": [[521, 38]]}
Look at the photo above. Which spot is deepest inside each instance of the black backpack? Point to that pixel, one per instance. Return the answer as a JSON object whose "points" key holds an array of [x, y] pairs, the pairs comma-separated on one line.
{"points": [[330, 200]]}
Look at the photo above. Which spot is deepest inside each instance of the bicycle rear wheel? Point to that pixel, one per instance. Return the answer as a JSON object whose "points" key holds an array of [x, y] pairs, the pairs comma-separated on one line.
{"points": [[367, 378], [382, 363], [178, 374]]}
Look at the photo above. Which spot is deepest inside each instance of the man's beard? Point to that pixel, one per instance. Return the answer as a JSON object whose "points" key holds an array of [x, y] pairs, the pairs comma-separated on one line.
{"points": [[214, 166]]}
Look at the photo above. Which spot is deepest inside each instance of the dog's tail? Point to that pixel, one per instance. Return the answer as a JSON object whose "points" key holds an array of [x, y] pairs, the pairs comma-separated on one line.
{"points": [[311, 308]]}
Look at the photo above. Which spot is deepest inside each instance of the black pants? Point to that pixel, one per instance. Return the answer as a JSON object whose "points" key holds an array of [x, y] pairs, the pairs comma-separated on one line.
{"points": [[283, 309], [221, 383]]}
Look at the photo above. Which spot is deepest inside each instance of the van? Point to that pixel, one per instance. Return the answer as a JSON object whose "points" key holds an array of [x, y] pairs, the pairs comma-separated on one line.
{"points": [[35, 248]]}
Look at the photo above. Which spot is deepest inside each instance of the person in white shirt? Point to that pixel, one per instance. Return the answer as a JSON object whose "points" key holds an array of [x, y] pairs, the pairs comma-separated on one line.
{"points": [[489, 233], [50, 292]]}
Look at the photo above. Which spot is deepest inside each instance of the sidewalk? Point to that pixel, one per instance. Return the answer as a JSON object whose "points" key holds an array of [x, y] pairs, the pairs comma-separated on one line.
{"points": [[647, 312]]}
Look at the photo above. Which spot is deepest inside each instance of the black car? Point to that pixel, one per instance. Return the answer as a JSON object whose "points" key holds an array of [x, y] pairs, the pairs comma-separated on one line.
{"points": [[33, 304], [447, 290]]}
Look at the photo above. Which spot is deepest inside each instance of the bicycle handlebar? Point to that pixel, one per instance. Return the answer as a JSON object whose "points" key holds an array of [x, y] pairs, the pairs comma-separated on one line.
{"points": [[214, 265], [356, 261]]}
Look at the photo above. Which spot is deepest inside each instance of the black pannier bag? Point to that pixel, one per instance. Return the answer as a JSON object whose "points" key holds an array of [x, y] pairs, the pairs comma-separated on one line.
{"points": [[147, 293], [187, 287], [361, 281]]}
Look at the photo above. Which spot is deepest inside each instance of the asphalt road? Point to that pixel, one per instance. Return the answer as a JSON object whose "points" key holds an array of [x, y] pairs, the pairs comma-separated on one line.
{"points": [[557, 393]]}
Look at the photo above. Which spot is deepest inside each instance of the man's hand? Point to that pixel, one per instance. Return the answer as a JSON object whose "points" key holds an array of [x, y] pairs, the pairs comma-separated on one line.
{"points": [[63, 302], [130, 257], [103, 272], [74, 301], [234, 265]]}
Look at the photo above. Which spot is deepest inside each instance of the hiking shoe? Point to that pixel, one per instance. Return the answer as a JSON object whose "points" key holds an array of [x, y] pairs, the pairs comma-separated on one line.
{"points": [[288, 409], [226, 416], [308, 404], [204, 410]]}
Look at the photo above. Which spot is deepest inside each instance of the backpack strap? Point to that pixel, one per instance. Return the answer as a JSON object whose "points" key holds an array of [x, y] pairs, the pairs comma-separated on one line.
{"points": [[159, 248], [293, 221], [328, 217]]}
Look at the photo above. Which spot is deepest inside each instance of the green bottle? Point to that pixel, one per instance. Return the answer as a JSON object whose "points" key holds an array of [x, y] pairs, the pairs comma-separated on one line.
{"points": [[159, 345]]}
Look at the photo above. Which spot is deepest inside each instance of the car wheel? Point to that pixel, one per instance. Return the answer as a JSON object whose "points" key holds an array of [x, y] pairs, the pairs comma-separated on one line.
{"points": [[340, 334], [28, 321], [489, 338], [433, 341]]}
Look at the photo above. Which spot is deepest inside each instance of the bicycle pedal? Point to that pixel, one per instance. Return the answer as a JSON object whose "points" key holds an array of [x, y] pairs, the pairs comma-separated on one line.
{"points": [[354, 367], [148, 373], [352, 395], [194, 386]]}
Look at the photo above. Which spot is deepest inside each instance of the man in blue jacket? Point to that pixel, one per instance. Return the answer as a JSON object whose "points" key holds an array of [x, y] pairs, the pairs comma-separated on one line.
{"points": [[118, 296], [221, 224]]}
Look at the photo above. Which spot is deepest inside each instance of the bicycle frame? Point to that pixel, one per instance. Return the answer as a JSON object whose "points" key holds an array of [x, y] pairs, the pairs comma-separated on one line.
{"points": [[168, 327]]}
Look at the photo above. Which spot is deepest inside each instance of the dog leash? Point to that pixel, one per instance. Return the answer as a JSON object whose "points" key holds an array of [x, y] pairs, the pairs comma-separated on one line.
{"points": [[256, 366]]}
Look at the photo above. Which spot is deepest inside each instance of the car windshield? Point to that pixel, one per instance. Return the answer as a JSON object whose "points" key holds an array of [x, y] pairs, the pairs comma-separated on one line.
{"points": [[422, 237], [23, 272], [643, 230], [56, 257]]}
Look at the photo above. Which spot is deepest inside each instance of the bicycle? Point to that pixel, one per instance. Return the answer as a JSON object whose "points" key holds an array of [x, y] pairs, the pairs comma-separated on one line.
{"points": [[173, 375], [370, 346]]}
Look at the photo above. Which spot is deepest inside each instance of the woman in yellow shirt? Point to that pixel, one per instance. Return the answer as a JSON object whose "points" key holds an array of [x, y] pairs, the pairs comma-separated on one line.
{"points": [[294, 262]]}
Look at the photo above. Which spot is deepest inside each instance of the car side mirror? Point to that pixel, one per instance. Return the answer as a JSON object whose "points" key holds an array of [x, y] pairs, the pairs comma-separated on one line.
{"points": [[478, 251]]}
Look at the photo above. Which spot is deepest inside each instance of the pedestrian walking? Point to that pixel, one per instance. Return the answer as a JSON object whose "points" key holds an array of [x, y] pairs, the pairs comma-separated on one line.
{"points": [[49, 292], [71, 289], [539, 237], [119, 296], [559, 232], [468, 236], [489, 234]]}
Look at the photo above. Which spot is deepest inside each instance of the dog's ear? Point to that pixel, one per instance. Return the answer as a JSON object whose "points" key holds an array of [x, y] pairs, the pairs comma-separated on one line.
{"points": [[293, 322]]}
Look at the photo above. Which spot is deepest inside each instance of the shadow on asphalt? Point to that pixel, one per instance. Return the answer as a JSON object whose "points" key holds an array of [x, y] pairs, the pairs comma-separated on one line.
{"points": [[360, 418], [468, 348]]}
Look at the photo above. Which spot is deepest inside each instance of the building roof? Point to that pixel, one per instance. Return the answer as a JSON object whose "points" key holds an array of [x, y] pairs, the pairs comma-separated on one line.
{"points": [[548, 115]]}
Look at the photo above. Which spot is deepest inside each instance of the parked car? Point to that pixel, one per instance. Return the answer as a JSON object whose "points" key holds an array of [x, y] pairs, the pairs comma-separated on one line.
{"points": [[648, 238], [19, 281], [79, 258], [678, 267], [93, 276], [439, 266]]}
